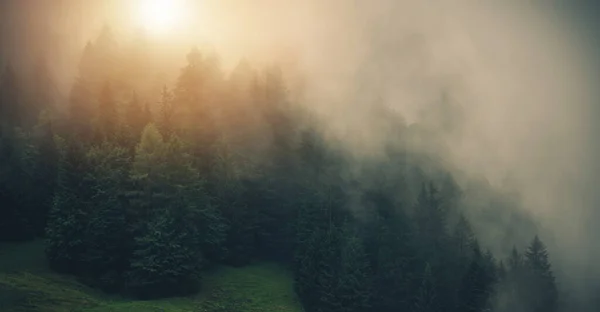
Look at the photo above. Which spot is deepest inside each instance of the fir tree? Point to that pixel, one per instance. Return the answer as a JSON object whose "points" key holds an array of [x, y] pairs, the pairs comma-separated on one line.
{"points": [[170, 199], [106, 235], [427, 298], [541, 282], [476, 286], [67, 221], [355, 276]]}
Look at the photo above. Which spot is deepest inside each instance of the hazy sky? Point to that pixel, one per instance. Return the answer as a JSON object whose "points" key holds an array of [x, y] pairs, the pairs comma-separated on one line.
{"points": [[526, 74]]}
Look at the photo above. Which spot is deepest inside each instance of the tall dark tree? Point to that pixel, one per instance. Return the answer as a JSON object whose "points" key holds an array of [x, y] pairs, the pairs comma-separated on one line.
{"points": [[476, 286], [390, 243], [107, 239], [67, 220], [19, 214], [427, 299], [169, 200], [543, 293], [45, 172]]}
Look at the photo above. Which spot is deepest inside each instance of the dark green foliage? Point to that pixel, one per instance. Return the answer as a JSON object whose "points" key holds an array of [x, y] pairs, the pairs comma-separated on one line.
{"points": [[177, 226], [45, 173], [355, 284], [230, 193], [543, 294], [21, 219], [390, 244], [528, 283], [476, 286], [430, 218], [65, 233], [106, 235], [427, 299], [167, 258], [229, 172]]}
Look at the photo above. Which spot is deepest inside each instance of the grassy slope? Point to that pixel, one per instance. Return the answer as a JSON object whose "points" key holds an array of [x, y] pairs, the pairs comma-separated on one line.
{"points": [[26, 284]]}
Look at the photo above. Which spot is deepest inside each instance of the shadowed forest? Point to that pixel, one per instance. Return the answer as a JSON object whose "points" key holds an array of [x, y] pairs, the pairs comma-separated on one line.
{"points": [[141, 189]]}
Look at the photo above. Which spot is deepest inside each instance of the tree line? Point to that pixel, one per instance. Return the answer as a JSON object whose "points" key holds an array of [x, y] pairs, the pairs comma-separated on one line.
{"points": [[140, 190]]}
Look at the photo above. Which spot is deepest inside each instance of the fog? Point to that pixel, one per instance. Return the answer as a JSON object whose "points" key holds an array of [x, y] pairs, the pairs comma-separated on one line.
{"points": [[523, 76]]}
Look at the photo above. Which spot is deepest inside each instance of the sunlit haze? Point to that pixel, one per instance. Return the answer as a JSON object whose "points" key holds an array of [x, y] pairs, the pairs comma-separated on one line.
{"points": [[161, 16], [502, 95]]}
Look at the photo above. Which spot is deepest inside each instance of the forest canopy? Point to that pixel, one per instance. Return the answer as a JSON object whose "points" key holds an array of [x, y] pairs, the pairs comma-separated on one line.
{"points": [[139, 189]]}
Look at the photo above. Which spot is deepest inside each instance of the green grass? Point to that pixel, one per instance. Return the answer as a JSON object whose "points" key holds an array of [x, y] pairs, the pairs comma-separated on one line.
{"points": [[26, 284]]}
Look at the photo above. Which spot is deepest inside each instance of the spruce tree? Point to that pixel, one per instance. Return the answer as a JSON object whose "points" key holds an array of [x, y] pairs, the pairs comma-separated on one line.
{"points": [[355, 284], [19, 215], [426, 299], [107, 235], [543, 293], [169, 199], [476, 285], [45, 172], [65, 233]]}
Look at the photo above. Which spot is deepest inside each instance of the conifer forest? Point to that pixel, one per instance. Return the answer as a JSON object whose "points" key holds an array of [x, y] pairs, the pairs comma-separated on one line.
{"points": [[141, 188]]}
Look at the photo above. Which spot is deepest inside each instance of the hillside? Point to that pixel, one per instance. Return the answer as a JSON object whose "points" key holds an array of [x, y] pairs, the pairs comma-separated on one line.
{"points": [[26, 284]]}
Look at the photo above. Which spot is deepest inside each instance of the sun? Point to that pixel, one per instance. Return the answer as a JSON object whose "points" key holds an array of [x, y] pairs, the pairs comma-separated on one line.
{"points": [[160, 16]]}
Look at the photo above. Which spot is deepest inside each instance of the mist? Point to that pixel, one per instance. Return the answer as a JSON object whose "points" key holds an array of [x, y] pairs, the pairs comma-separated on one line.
{"points": [[521, 78], [522, 75]]}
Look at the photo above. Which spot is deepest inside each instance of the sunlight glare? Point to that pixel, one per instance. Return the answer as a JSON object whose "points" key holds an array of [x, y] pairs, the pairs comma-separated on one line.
{"points": [[160, 16]]}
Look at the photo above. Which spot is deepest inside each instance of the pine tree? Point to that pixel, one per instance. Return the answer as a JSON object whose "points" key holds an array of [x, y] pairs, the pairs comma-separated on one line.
{"points": [[355, 276], [430, 219], [427, 298], [476, 286], [106, 235], [67, 220], [543, 293], [389, 241], [464, 237], [317, 250], [229, 194], [169, 198], [19, 216], [45, 172], [166, 258]]}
